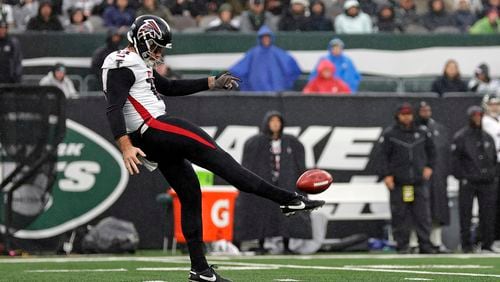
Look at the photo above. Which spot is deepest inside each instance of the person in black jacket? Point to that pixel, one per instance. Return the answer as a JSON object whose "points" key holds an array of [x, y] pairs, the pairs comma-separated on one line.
{"points": [[280, 159], [45, 20], [440, 211], [474, 161], [112, 44], [451, 80], [407, 159], [10, 56]]}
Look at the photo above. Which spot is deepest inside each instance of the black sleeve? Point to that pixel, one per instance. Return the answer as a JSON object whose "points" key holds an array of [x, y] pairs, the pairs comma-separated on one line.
{"points": [[179, 87], [118, 84], [430, 149]]}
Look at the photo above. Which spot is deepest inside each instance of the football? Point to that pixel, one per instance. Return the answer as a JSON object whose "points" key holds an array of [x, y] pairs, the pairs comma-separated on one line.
{"points": [[314, 181]]}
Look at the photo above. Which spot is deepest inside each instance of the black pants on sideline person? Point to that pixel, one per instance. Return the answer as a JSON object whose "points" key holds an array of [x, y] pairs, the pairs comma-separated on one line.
{"points": [[409, 215], [486, 194]]}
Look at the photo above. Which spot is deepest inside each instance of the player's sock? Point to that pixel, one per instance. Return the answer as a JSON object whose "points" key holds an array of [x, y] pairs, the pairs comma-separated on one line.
{"points": [[197, 255]]}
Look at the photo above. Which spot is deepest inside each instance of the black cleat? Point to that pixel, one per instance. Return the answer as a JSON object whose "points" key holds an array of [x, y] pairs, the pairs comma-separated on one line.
{"points": [[208, 274], [300, 203]]}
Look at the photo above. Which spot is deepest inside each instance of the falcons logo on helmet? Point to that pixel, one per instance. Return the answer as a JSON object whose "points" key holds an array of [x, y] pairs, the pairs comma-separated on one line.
{"points": [[149, 29]]}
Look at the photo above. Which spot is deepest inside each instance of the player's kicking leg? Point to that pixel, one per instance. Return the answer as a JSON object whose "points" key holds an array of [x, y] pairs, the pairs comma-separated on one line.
{"points": [[198, 147]]}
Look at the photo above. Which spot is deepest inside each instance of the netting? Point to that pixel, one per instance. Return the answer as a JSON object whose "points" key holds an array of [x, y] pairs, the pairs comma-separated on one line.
{"points": [[32, 124]]}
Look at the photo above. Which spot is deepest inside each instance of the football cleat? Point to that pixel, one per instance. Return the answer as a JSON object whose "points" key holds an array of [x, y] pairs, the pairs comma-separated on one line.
{"points": [[300, 203], [208, 274]]}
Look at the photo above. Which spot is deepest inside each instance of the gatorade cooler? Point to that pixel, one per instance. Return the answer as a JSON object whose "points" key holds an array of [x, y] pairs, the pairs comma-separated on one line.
{"points": [[217, 212]]}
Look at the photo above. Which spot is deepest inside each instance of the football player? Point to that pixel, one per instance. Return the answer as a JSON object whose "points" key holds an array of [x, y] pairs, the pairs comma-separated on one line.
{"points": [[147, 135]]}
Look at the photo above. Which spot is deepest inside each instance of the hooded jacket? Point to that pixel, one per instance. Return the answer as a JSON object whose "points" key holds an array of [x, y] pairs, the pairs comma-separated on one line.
{"points": [[474, 156], [344, 68], [255, 217], [266, 68], [38, 23], [66, 85], [331, 85]]}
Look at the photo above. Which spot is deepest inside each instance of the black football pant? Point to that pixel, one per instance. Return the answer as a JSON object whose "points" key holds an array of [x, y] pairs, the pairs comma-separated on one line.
{"points": [[174, 144], [486, 196], [416, 214]]}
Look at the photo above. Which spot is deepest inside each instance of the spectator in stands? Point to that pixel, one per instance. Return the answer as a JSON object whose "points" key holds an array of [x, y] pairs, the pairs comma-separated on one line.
{"points": [[406, 15], [370, 7], [437, 17], [45, 20], [24, 12], [450, 81], [85, 5], [165, 70], [119, 16], [325, 82], [482, 83], [78, 22], [276, 7], [113, 39], [256, 16], [440, 211], [153, 7], [7, 14], [295, 18], [266, 67], [386, 19], [188, 8], [57, 77], [225, 21], [318, 20], [10, 56], [344, 67], [280, 159], [464, 17], [407, 158], [488, 5], [490, 24], [353, 20], [474, 160]]}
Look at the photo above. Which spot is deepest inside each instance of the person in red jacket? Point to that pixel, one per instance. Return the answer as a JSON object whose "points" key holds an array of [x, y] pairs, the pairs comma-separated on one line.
{"points": [[325, 82]]}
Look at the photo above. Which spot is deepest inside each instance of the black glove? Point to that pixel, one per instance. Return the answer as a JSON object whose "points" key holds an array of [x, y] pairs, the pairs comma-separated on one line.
{"points": [[226, 81]]}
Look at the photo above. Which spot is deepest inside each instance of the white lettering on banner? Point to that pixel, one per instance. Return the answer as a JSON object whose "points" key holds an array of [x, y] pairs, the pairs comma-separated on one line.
{"points": [[210, 130], [220, 213], [233, 139], [79, 176], [292, 130], [70, 149], [344, 143], [309, 138]]}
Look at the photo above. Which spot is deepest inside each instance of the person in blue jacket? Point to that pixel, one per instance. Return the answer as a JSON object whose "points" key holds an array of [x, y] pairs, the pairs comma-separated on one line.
{"points": [[266, 67], [344, 67]]}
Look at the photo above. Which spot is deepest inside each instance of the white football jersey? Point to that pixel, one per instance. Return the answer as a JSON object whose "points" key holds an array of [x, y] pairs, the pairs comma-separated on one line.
{"points": [[143, 90], [492, 126]]}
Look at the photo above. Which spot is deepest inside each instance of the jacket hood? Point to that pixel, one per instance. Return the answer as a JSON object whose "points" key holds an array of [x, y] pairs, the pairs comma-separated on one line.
{"points": [[326, 64], [265, 122], [265, 30]]}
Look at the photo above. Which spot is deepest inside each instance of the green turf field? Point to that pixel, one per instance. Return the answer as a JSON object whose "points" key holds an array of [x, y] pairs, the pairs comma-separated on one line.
{"points": [[332, 267]]}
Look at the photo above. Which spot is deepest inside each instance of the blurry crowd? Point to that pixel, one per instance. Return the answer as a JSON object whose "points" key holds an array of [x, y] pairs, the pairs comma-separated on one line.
{"points": [[340, 16]]}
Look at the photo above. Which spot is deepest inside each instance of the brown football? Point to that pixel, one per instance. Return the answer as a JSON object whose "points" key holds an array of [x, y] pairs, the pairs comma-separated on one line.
{"points": [[314, 181]]}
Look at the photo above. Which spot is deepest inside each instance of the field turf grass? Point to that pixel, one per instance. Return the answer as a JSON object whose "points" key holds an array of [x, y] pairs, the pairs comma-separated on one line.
{"points": [[324, 267]]}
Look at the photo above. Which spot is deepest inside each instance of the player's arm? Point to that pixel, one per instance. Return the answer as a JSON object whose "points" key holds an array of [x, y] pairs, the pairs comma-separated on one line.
{"points": [[119, 82], [184, 87]]}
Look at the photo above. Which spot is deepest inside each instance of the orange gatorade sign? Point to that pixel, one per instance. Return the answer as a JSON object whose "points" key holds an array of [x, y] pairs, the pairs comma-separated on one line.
{"points": [[217, 213]]}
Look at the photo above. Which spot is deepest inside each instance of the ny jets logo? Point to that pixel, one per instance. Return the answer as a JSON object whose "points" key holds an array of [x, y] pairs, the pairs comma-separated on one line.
{"points": [[148, 30]]}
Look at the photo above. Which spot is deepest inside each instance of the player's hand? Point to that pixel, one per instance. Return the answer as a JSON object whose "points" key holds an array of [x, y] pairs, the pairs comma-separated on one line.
{"points": [[427, 173], [131, 160], [226, 81], [389, 182]]}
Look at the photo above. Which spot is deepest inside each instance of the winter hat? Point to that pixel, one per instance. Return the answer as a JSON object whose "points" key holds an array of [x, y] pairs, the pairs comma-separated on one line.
{"points": [[350, 3], [404, 108], [473, 110], [59, 67], [304, 3], [336, 41]]}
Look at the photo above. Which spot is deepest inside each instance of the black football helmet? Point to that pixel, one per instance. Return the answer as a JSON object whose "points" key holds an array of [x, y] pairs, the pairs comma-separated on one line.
{"points": [[148, 33]]}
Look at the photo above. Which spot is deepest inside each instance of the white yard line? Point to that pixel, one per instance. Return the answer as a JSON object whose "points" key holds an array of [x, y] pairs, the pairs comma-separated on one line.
{"points": [[424, 266], [249, 267], [419, 279], [77, 270]]}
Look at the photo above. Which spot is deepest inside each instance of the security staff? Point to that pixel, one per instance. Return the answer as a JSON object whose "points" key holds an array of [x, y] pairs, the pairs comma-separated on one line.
{"points": [[474, 161], [440, 211], [407, 158], [10, 56]]}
